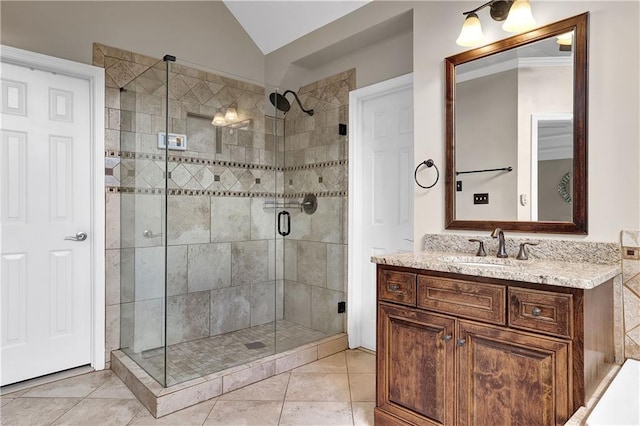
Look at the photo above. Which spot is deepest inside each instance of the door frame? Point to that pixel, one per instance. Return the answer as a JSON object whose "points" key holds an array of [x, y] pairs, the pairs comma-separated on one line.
{"points": [[95, 77], [357, 98]]}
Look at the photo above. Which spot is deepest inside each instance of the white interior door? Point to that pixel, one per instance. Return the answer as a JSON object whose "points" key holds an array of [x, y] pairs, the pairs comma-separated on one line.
{"points": [[385, 187], [45, 193]]}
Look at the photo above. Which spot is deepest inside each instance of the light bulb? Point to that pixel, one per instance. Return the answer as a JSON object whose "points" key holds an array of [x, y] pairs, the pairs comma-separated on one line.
{"points": [[520, 18], [471, 33]]}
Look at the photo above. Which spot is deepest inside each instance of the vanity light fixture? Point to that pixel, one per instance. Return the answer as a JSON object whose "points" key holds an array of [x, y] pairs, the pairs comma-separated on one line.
{"points": [[229, 119], [231, 115], [516, 15], [520, 18], [565, 41], [218, 119]]}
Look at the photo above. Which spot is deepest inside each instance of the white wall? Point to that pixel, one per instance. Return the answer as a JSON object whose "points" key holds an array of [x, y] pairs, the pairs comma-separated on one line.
{"points": [[375, 64], [614, 107], [388, 59], [205, 33]]}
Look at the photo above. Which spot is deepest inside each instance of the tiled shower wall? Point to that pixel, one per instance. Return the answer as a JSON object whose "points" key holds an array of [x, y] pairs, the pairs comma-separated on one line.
{"points": [[631, 292], [222, 249], [316, 162]]}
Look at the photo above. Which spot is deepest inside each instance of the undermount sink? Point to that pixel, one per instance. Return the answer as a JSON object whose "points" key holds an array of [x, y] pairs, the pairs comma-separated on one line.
{"points": [[484, 262]]}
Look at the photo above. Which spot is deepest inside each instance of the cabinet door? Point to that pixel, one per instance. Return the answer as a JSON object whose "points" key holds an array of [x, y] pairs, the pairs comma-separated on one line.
{"points": [[415, 355], [511, 378]]}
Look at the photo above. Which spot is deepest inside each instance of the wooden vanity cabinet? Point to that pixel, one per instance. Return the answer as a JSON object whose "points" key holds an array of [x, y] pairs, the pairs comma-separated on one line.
{"points": [[462, 350]]}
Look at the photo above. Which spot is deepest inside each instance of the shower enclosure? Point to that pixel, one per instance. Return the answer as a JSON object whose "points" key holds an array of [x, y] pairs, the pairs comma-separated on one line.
{"points": [[223, 260]]}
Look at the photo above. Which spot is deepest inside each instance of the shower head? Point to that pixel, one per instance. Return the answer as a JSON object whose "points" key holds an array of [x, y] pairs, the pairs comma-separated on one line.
{"points": [[281, 103]]}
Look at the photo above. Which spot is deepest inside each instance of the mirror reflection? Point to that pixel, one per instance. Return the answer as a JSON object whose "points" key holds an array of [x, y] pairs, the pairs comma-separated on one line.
{"points": [[497, 100]]}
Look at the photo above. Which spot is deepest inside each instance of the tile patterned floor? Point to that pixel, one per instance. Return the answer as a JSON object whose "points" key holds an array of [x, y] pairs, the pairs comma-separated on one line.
{"points": [[337, 390], [193, 359]]}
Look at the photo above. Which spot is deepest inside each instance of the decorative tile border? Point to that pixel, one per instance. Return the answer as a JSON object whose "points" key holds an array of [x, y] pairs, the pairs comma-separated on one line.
{"points": [[209, 162], [159, 191]]}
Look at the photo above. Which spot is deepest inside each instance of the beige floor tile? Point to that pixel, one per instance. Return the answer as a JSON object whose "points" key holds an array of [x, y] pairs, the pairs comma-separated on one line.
{"points": [[4, 401], [363, 413], [103, 412], [36, 411], [318, 387], [192, 416], [362, 387], [360, 361], [113, 388], [231, 413], [15, 394], [271, 389], [332, 364], [316, 413], [74, 387]]}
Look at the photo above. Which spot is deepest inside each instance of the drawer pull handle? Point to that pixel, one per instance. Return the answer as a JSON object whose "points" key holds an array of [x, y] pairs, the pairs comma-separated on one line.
{"points": [[461, 342], [447, 337], [394, 287], [536, 312]]}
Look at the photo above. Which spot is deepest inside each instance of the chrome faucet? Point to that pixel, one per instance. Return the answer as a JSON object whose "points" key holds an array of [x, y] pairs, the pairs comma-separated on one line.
{"points": [[497, 233]]}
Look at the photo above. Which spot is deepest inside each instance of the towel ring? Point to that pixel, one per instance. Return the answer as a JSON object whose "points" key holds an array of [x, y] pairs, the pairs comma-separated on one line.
{"points": [[428, 163]]}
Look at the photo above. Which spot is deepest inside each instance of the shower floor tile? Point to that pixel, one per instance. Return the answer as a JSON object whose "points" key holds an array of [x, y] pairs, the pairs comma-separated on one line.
{"points": [[190, 360]]}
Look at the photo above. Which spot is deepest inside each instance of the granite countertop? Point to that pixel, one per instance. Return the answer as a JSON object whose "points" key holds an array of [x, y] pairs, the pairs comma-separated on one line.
{"points": [[563, 274]]}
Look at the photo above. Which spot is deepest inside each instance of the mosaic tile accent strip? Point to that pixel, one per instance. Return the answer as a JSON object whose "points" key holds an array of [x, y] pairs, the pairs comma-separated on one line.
{"points": [[157, 191], [630, 240]]}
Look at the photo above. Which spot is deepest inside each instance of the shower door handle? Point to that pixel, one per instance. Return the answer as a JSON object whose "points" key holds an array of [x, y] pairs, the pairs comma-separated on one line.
{"points": [[282, 232]]}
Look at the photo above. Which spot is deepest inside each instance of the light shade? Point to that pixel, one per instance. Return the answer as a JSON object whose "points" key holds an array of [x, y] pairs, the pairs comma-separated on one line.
{"points": [[471, 33], [565, 39], [231, 115], [520, 18], [218, 119]]}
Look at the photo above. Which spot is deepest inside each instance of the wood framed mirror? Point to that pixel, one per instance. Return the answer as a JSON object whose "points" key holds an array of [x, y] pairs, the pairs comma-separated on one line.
{"points": [[516, 132]]}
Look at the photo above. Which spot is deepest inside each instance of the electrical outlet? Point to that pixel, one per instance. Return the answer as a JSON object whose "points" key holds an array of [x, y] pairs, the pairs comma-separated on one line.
{"points": [[342, 307], [631, 253], [482, 198]]}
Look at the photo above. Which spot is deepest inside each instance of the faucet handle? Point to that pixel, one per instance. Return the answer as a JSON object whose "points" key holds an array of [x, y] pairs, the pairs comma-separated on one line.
{"points": [[481, 251], [522, 254]]}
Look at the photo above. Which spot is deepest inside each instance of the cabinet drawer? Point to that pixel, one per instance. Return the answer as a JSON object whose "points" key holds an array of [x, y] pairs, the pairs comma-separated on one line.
{"points": [[541, 311], [397, 287], [485, 302]]}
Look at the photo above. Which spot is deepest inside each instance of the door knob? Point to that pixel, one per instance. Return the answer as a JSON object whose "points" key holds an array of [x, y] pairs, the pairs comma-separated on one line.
{"points": [[80, 236]]}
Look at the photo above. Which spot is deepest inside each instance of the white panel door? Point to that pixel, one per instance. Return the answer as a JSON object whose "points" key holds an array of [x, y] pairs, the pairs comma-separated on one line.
{"points": [[45, 194], [387, 191]]}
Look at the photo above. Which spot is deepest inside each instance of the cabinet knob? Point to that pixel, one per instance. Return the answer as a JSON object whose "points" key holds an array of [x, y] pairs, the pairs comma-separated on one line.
{"points": [[394, 287], [461, 342], [536, 312], [447, 337]]}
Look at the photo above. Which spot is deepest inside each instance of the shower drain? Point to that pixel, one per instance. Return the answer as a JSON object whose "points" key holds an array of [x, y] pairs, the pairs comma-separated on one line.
{"points": [[255, 345]]}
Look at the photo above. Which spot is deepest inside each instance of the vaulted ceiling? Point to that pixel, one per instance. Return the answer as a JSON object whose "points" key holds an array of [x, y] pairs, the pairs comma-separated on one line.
{"points": [[273, 24]]}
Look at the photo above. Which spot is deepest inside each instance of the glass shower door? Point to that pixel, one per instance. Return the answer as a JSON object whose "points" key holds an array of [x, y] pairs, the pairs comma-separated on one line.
{"points": [[143, 120]]}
